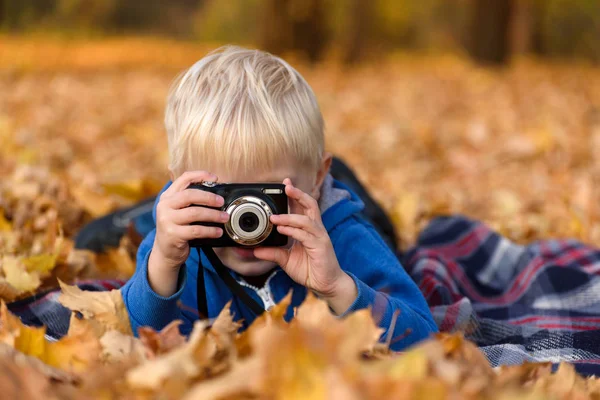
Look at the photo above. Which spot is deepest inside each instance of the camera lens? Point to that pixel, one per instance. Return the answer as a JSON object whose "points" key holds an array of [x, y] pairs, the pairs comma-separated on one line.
{"points": [[249, 222]]}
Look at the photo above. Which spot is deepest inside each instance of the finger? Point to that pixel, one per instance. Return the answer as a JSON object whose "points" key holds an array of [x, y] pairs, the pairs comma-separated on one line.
{"points": [[300, 235], [189, 177], [189, 232], [188, 215], [307, 202], [274, 254], [296, 221], [194, 196]]}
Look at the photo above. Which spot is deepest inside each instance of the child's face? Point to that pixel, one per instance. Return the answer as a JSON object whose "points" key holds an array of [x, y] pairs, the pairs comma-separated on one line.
{"points": [[242, 260]]}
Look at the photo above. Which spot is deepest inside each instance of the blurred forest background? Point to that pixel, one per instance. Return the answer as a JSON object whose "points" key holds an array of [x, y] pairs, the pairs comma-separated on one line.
{"points": [[488, 108], [491, 31]]}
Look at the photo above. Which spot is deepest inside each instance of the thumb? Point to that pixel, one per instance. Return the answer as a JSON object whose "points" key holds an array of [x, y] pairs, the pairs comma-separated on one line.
{"points": [[274, 254]]}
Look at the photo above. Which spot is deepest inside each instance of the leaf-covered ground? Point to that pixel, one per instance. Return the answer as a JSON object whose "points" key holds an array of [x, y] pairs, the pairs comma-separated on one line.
{"points": [[81, 133]]}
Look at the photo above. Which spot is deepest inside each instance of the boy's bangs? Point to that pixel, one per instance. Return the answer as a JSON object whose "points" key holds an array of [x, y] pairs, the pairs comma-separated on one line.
{"points": [[241, 156]]}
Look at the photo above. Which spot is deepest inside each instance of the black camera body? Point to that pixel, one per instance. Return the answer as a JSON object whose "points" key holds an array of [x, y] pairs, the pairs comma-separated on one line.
{"points": [[250, 206]]}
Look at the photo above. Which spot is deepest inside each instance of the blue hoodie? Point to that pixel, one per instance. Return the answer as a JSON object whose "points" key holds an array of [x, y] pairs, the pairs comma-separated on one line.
{"points": [[382, 282]]}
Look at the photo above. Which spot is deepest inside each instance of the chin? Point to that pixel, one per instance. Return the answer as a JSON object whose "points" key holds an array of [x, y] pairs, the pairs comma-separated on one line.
{"points": [[244, 264]]}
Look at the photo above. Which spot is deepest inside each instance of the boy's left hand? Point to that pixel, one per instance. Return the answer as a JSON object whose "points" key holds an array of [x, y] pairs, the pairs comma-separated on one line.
{"points": [[311, 261]]}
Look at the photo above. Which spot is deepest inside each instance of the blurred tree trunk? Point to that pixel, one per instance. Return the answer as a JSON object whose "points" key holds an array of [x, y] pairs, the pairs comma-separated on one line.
{"points": [[521, 27], [294, 25], [275, 35], [537, 35], [490, 38], [356, 41], [309, 28], [527, 32], [3, 12]]}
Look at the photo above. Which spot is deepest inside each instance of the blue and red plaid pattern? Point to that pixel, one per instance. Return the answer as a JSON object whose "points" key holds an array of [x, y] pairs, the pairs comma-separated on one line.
{"points": [[536, 303]]}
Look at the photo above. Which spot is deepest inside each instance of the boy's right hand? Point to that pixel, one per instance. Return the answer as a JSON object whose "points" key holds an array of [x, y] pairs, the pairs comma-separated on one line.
{"points": [[174, 229]]}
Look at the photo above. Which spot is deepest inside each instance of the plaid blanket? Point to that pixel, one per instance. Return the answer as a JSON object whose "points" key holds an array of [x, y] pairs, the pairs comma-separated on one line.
{"points": [[536, 303]]}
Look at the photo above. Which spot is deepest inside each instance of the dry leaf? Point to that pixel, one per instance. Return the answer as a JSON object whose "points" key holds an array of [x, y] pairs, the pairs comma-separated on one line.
{"points": [[208, 351], [79, 325], [297, 369], [275, 315], [7, 292], [105, 308], [9, 353], [5, 225], [134, 189], [412, 365], [118, 347], [73, 353], [121, 261], [23, 381], [351, 336], [161, 342], [179, 364], [243, 378], [95, 204]]}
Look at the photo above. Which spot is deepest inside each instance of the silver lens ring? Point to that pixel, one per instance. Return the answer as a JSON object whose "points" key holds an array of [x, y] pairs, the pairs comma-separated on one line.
{"points": [[256, 206]]}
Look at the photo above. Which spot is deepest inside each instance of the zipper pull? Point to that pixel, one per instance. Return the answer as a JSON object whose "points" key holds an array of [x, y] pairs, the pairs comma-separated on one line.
{"points": [[266, 297]]}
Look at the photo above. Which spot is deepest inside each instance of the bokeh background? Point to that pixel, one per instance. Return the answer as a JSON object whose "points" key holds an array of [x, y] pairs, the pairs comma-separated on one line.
{"points": [[488, 30], [489, 108]]}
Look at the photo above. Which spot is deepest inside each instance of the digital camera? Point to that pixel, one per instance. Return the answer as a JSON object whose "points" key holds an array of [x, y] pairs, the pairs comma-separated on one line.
{"points": [[250, 206]]}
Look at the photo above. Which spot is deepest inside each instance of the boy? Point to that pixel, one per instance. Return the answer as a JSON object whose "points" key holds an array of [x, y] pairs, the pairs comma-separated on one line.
{"points": [[247, 116]]}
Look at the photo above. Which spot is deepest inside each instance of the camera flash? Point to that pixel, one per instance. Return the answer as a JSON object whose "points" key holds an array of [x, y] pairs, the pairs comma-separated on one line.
{"points": [[272, 191]]}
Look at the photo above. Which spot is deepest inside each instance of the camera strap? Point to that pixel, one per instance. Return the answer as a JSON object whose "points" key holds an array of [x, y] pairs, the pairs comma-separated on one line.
{"points": [[224, 274]]}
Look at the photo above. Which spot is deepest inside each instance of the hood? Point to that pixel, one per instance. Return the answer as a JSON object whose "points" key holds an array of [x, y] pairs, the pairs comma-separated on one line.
{"points": [[337, 203]]}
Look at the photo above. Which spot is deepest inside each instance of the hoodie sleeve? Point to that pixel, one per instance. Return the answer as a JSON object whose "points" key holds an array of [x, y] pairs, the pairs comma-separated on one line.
{"points": [[144, 306], [383, 285]]}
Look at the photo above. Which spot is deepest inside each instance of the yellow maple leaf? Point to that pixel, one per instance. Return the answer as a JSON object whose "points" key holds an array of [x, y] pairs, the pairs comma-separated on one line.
{"points": [[31, 341], [17, 276], [42, 263], [72, 353]]}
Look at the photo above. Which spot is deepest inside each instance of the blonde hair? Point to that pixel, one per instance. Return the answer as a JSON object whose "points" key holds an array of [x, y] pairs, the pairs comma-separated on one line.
{"points": [[242, 110]]}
